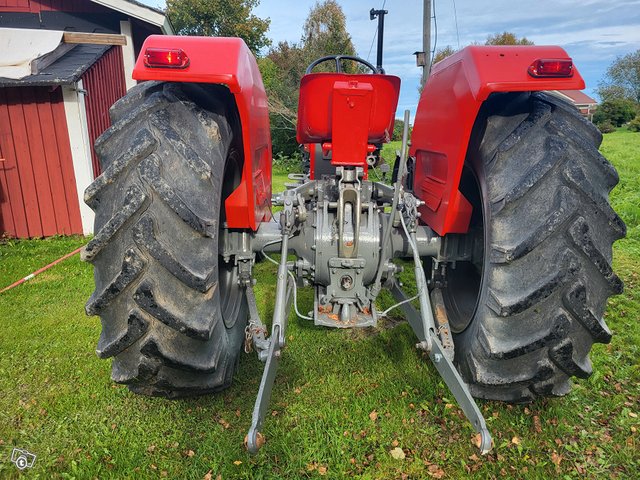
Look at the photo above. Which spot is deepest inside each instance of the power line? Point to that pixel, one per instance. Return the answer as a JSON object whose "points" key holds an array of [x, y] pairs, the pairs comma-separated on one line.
{"points": [[455, 16], [435, 36]]}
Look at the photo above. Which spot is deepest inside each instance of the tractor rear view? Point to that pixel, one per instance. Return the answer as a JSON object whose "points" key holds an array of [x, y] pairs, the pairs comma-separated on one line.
{"points": [[499, 206]]}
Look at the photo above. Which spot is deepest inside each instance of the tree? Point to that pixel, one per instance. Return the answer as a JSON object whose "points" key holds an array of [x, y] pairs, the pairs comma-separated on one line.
{"points": [[617, 111], [443, 53], [398, 129], [507, 38], [504, 38], [220, 18], [622, 79], [324, 33]]}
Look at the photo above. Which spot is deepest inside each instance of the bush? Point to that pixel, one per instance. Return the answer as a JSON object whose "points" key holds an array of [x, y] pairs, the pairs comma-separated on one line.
{"points": [[606, 126], [616, 111], [634, 125], [288, 163]]}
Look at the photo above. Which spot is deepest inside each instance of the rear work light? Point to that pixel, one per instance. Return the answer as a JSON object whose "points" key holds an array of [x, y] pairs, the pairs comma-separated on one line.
{"points": [[551, 67], [165, 58]]}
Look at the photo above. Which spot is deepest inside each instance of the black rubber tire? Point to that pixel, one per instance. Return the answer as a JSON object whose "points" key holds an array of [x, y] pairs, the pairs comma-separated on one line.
{"points": [[541, 201], [173, 315]]}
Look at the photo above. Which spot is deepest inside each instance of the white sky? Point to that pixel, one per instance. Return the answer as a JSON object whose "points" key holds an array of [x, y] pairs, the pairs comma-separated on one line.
{"points": [[594, 32]]}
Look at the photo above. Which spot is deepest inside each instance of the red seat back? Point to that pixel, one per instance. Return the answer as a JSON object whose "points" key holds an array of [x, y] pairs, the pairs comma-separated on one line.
{"points": [[348, 111]]}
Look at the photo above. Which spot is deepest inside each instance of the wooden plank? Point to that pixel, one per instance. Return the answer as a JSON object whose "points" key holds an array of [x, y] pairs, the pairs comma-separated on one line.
{"points": [[13, 190], [21, 123], [44, 61], [38, 162], [52, 156], [23, 162], [6, 216], [94, 38]]}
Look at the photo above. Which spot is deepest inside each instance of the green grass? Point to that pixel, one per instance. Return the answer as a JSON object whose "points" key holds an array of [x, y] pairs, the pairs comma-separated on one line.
{"points": [[57, 401]]}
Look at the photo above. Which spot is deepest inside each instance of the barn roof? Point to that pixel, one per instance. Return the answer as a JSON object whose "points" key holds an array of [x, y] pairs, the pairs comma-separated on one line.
{"points": [[578, 97], [140, 11], [64, 71]]}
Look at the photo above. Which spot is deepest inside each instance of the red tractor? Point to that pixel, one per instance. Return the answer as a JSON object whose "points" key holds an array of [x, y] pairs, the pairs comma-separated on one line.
{"points": [[500, 201]]}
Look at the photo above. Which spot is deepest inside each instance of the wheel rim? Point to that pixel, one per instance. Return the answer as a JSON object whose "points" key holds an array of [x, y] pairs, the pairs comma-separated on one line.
{"points": [[464, 283], [228, 287]]}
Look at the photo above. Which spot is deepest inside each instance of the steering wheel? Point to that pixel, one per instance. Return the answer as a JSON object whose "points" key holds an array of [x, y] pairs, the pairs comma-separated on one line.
{"points": [[338, 59]]}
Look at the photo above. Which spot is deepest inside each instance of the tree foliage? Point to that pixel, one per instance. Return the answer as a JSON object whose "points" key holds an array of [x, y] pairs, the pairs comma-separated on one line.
{"points": [[324, 33], [507, 38], [220, 18], [504, 38], [443, 53], [622, 79], [616, 111]]}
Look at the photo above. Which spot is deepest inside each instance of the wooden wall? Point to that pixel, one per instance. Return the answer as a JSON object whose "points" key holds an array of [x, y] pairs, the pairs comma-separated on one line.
{"points": [[104, 83], [37, 183], [37, 6]]}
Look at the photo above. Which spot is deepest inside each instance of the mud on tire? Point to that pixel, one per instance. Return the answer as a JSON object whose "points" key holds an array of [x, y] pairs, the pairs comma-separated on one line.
{"points": [[540, 192], [172, 313]]}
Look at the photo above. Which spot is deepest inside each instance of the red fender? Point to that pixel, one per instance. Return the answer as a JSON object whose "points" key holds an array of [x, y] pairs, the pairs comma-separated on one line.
{"points": [[227, 61], [446, 113]]}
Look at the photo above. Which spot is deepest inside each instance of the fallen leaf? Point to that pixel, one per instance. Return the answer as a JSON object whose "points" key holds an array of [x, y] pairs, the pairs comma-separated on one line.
{"points": [[297, 390], [633, 415], [322, 470], [397, 453], [164, 474], [190, 453], [435, 471], [207, 476], [312, 466], [515, 441], [373, 416], [474, 458], [237, 462], [395, 443], [556, 459], [536, 424], [224, 423], [151, 448], [238, 413]]}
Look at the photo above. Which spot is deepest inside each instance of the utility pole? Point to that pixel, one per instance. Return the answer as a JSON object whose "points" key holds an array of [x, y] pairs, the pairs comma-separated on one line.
{"points": [[426, 40]]}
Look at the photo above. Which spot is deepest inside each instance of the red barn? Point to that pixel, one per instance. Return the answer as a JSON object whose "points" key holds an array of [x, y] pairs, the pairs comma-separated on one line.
{"points": [[53, 107]]}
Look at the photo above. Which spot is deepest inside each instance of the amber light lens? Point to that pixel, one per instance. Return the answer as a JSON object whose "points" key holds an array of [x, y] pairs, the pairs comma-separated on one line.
{"points": [[166, 57], [551, 67]]}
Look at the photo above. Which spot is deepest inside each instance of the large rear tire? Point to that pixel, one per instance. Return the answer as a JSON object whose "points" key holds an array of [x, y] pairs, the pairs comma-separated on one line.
{"points": [[527, 312], [172, 312]]}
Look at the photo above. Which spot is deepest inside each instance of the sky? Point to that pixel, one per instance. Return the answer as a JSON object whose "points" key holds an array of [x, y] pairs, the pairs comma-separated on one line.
{"points": [[593, 32]]}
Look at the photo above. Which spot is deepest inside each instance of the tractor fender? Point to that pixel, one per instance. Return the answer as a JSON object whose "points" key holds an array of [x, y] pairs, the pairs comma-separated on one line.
{"points": [[229, 62], [446, 114]]}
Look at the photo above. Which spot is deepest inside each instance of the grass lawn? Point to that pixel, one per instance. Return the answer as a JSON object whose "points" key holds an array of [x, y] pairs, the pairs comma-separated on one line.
{"points": [[343, 399]]}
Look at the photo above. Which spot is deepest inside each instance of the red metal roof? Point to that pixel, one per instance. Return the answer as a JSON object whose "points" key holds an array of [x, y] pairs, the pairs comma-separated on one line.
{"points": [[578, 97]]}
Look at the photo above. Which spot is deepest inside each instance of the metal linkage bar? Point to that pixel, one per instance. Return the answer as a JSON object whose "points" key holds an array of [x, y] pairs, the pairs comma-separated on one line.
{"points": [[277, 339], [423, 324], [255, 439], [446, 369]]}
